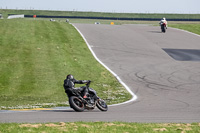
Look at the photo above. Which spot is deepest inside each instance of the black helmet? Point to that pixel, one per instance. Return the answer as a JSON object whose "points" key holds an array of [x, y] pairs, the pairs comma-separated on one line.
{"points": [[70, 76]]}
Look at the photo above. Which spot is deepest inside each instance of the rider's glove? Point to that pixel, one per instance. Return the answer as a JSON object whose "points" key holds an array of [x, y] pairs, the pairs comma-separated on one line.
{"points": [[86, 81]]}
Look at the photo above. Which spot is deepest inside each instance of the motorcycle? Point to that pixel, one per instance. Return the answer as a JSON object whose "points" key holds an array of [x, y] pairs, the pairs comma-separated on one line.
{"points": [[163, 27], [79, 104]]}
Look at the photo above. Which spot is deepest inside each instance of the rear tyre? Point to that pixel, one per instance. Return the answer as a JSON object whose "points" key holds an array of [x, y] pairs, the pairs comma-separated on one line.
{"points": [[76, 104], [101, 105], [163, 28]]}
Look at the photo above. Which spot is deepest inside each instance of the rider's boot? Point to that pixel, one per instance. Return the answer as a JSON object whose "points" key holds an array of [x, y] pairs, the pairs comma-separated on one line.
{"points": [[85, 95]]}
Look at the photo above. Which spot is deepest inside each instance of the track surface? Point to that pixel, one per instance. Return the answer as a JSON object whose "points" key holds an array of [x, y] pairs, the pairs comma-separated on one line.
{"points": [[168, 90]]}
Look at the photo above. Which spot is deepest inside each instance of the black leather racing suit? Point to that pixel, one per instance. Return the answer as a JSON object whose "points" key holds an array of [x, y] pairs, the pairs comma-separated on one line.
{"points": [[69, 85]]}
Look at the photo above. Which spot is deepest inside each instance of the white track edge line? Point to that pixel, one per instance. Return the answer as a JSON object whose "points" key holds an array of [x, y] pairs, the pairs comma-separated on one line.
{"points": [[134, 97]]}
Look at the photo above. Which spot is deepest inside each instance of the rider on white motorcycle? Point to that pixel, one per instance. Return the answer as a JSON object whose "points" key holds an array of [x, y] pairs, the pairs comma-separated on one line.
{"points": [[163, 21]]}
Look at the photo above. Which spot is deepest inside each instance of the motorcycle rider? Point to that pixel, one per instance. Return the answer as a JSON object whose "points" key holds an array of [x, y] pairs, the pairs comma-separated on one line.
{"points": [[163, 20], [69, 85]]}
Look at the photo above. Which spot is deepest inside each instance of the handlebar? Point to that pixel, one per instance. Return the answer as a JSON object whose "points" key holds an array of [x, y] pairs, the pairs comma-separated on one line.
{"points": [[88, 83]]}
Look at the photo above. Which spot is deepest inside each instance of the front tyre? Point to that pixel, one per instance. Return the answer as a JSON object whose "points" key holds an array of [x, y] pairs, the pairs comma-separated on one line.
{"points": [[101, 105], [76, 104]]}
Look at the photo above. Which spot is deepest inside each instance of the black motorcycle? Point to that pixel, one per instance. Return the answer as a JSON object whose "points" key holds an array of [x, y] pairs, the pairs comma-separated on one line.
{"points": [[163, 27], [79, 104]]}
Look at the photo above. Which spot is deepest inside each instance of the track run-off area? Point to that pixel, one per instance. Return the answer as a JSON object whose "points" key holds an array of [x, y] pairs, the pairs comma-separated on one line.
{"points": [[167, 89]]}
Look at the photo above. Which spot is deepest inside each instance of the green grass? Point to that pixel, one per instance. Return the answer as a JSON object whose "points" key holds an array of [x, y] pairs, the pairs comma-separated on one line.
{"points": [[195, 28], [100, 127], [37, 55]]}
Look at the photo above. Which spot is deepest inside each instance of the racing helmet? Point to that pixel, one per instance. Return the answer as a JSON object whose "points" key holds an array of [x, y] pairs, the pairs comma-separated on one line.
{"points": [[70, 76]]}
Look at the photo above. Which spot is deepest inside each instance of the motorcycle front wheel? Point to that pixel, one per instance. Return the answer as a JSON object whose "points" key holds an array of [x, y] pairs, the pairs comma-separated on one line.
{"points": [[76, 103], [101, 105]]}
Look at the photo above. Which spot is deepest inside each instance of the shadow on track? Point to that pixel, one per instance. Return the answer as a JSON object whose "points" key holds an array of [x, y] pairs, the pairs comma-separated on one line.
{"points": [[155, 31]]}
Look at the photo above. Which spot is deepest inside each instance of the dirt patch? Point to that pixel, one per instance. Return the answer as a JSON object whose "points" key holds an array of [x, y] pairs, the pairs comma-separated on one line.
{"points": [[61, 124], [30, 125], [109, 124], [84, 125], [160, 129]]}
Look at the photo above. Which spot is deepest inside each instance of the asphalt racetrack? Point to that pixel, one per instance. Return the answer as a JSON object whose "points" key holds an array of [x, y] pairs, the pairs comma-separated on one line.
{"points": [[167, 88]]}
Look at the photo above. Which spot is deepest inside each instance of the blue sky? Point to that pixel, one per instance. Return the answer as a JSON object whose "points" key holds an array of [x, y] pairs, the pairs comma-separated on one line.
{"points": [[128, 6]]}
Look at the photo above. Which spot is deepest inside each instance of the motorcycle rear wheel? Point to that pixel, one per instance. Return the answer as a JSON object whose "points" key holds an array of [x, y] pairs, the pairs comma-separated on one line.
{"points": [[101, 105], [163, 28], [76, 104]]}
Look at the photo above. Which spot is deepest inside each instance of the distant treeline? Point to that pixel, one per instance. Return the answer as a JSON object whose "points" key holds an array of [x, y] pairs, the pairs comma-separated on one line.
{"points": [[110, 18]]}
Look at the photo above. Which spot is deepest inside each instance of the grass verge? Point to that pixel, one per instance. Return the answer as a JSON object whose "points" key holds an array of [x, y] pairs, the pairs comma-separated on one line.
{"points": [[100, 127]]}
